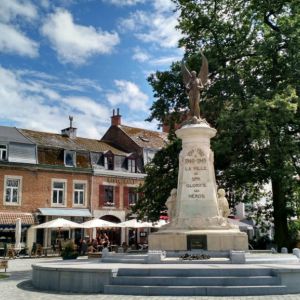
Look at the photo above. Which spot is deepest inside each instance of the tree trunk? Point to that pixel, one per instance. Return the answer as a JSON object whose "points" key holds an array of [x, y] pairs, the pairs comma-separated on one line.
{"points": [[280, 214]]}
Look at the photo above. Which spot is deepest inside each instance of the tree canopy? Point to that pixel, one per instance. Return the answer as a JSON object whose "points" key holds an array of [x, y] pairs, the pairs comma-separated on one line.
{"points": [[252, 100]]}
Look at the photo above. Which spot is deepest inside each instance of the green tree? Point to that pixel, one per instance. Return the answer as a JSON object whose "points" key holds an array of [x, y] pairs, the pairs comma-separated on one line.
{"points": [[161, 178], [252, 98]]}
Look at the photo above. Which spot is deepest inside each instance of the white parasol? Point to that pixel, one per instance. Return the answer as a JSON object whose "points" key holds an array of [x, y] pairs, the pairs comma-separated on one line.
{"points": [[160, 223], [134, 223], [18, 234], [99, 223], [59, 223]]}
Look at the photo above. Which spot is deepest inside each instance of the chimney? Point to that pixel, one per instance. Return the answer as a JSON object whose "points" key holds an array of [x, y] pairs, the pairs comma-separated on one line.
{"points": [[165, 128], [116, 118], [71, 131]]}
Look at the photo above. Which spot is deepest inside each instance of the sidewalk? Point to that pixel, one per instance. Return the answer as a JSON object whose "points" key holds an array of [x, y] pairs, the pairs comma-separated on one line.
{"points": [[18, 287]]}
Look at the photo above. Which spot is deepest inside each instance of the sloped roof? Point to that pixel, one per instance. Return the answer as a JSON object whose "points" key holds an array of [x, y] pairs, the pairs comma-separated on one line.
{"points": [[54, 140], [11, 134], [146, 138], [48, 139], [98, 146], [10, 218]]}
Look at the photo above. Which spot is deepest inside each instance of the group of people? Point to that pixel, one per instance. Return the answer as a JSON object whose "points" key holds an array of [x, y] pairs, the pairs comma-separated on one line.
{"points": [[93, 245]]}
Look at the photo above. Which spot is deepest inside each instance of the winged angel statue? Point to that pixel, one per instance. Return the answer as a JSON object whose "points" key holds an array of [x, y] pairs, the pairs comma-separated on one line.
{"points": [[194, 84]]}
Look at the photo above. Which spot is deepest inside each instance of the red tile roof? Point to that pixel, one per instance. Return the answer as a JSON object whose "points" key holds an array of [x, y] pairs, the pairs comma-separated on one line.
{"points": [[9, 218], [146, 138], [54, 140]]}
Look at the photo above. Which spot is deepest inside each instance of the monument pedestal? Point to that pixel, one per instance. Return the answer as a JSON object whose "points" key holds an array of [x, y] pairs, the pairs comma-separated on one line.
{"points": [[197, 221], [186, 240]]}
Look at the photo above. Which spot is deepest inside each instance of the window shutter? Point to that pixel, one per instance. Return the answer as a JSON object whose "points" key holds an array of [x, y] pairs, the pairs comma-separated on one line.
{"points": [[126, 196], [101, 195], [117, 196]]}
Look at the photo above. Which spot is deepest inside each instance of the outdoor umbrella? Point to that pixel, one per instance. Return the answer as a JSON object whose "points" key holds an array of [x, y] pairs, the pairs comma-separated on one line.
{"points": [[134, 223], [160, 223], [18, 234], [59, 223], [99, 223]]}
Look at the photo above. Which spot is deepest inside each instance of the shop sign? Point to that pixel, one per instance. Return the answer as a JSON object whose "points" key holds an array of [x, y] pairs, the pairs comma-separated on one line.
{"points": [[121, 180]]}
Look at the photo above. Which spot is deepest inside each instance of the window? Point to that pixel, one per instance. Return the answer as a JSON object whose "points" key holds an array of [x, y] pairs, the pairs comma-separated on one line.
{"points": [[58, 192], [70, 159], [109, 162], [149, 155], [131, 165], [79, 193], [3, 152], [133, 196], [12, 190], [109, 196]]}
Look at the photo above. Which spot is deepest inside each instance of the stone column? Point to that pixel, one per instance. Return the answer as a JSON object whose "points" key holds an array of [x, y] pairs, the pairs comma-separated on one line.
{"points": [[196, 190], [196, 222]]}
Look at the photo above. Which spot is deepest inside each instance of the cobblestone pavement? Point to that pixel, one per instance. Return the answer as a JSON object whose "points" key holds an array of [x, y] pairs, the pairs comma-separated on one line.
{"points": [[18, 287]]}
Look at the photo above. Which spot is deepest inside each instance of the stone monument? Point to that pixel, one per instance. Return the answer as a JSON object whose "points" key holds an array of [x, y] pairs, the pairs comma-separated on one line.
{"points": [[198, 213]]}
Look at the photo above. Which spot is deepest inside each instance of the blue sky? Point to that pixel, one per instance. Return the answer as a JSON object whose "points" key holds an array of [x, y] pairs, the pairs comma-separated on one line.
{"points": [[82, 58]]}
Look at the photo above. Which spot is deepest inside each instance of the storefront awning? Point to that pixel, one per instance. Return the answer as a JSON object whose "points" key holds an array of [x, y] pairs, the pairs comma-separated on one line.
{"points": [[9, 218], [66, 212]]}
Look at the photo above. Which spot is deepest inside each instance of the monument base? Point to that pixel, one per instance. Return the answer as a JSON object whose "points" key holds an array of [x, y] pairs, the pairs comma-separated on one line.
{"points": [[185, 240]]}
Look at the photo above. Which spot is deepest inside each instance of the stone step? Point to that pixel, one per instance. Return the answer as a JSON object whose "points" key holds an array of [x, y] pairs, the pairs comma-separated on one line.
{"points": [[201, 272], [129, 256], [195, 281], [123, 260], [194, 290]]}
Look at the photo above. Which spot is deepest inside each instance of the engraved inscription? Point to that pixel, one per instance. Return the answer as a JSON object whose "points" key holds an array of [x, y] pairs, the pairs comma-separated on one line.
{"points": [[196, 166]]}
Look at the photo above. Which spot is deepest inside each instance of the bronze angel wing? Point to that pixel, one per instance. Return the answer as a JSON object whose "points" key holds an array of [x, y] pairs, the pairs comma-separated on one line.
{"points": [[203, 74], [185, 73]]}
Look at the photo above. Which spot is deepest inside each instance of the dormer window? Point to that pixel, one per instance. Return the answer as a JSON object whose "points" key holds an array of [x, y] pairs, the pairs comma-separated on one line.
{"points": [[3, 152], [109, 160], [144, 139], [131, 165], [70, 158]]}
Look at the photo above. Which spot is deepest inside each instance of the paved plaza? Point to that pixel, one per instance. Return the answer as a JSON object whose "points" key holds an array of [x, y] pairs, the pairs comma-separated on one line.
{"points": [[18, 286]]}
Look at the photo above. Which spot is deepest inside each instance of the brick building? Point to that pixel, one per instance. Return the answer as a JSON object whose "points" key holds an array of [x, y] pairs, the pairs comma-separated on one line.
{"points": [[46, 175]]}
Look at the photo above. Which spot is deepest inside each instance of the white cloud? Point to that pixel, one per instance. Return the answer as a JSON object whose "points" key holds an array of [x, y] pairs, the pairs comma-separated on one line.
{"points": [[45, 3], [87, 106], [10, 9], [76, 43], [135, 22], [164, 5], [162, 32], [156, 26], [87, 83], [129, 94], [144, 56], [32, 105], [142, 124], [71, 83], [140, 55], [124, 2], [13, 41], [166, 60]]}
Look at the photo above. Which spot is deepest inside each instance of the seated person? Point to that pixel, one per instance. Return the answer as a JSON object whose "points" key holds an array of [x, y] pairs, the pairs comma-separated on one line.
{"points": [[94, 245], [106, 241], [84, 247]]}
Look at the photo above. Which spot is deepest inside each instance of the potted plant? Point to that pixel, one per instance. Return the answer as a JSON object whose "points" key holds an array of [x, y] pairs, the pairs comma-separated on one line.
{"points": [[69, 251]]}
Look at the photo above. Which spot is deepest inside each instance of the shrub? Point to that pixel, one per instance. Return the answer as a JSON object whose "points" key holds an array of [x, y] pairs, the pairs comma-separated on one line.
{"points": [[69, 251]]}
